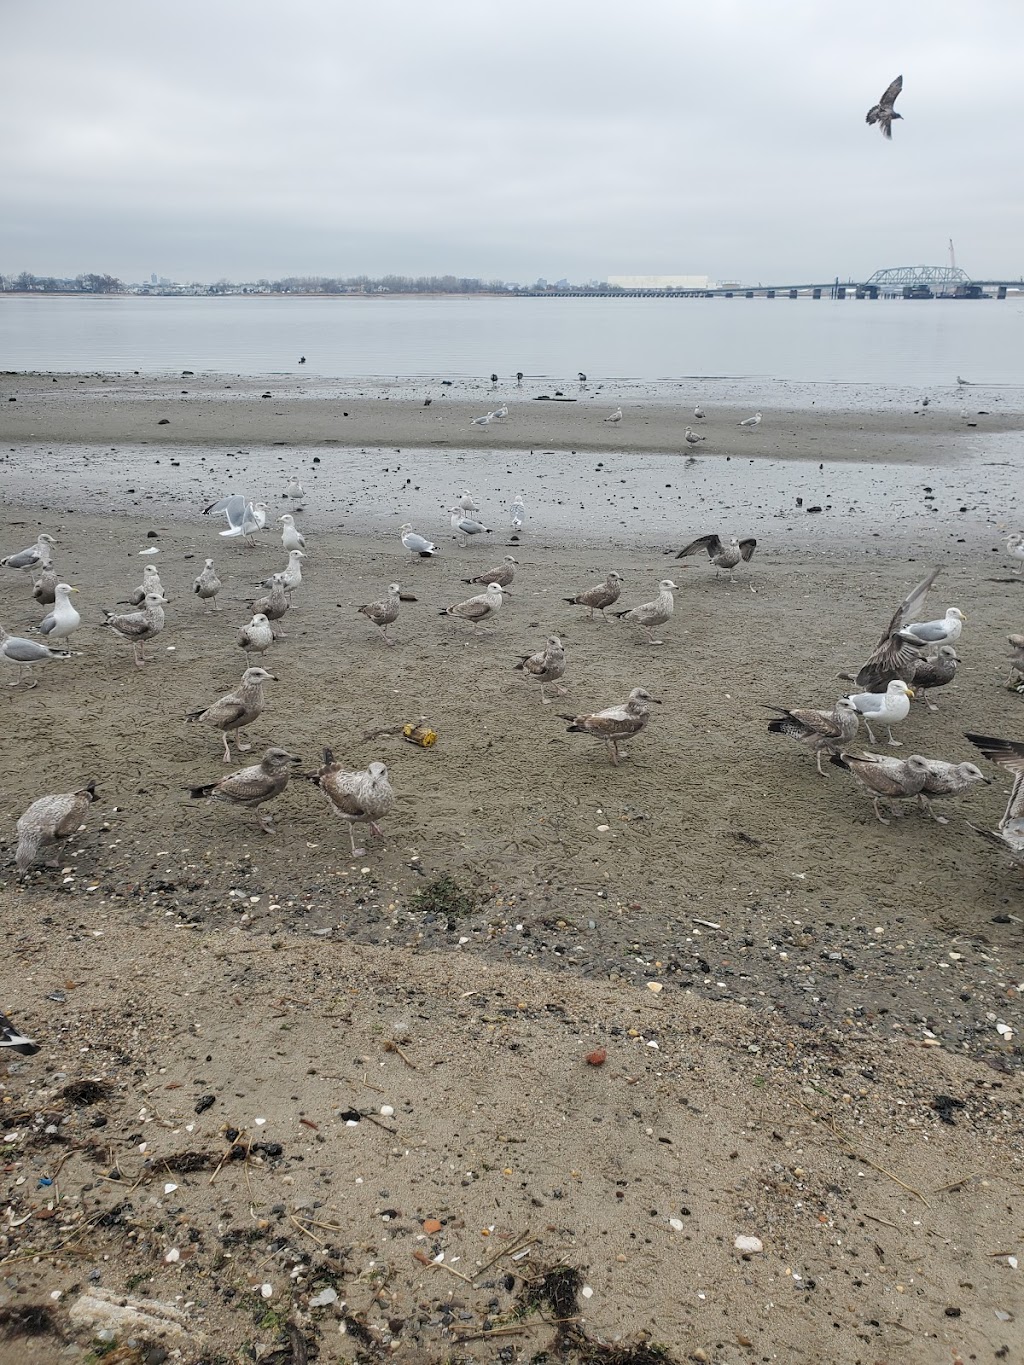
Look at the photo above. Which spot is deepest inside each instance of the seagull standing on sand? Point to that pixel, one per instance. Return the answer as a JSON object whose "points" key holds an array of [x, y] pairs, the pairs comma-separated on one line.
{"points": [[15, 649], [37, 556], [359, 798], [600, 597], [44, 589], [484, 421], [518, 514], [64, 620], [275, 605], [888, 708], [823, 731], [885, 778], [467, 503], [651, 614], [139, 626], [256, 637], [291, 537], [754, 421], [418, 546], [253, 786], [699, 413], [1015, 549], [150, 583], [237, 710], [546, 666], [476, 610], [295, 493], [883, 112], [615, 416], [51, 820], [503, 574], [499, 414], [691, 438], [464, 526], [895, 656], [12, 1037], [290, 575], [617, 723], [384, 612], [948, 779], [207, 585], [935, 672]]}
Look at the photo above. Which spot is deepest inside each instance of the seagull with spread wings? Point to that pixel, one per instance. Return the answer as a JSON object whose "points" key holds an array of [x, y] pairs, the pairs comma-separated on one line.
{"points": [[896, 655], [883, 112]]}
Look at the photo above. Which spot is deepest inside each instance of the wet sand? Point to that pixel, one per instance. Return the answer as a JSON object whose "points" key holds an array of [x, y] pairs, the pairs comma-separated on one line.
{"points": [[869, 964]]}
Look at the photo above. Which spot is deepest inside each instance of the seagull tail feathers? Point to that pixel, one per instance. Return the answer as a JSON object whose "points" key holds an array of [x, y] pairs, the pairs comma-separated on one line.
{"points": [[197, 793]]}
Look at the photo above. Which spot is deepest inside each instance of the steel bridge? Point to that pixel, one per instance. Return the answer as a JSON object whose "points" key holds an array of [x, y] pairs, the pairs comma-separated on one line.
{"points": [[901, 281]]}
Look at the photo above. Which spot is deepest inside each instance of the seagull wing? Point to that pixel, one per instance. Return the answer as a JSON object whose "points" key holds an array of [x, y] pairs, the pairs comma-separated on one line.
{"points": [[889, 98], [712, 544]]}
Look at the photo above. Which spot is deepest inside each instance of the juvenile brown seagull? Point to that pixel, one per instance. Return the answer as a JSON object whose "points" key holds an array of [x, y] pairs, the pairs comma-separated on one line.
{"points": [[476, 610], [822, 731], [207, 585], [384, 612], [600, 597], [948, 779], [502, 574], [274, 606], [139, 626], [237, 709], [616, 723], [50, 820], [651, 614], [722, 556], [256, 637], [546, 666], [252, 786], [895, 655], [885, 778], [883, 112], [360, 798]]}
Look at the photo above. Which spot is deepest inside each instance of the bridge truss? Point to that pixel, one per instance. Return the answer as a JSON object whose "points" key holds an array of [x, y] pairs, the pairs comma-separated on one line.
{"points": [[932, 276]]}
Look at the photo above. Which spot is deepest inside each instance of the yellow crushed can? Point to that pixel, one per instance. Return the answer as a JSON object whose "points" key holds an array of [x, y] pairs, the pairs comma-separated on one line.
{"points": [[420, 734]]}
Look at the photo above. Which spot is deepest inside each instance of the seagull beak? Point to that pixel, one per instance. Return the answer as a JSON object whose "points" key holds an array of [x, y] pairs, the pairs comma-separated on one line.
{"points": [[656, 700], [910, 691], [294, 758], [74, 589]]}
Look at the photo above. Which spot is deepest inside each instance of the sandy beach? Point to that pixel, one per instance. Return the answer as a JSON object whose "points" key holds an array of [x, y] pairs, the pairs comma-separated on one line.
{"points": [[797, 1005]]}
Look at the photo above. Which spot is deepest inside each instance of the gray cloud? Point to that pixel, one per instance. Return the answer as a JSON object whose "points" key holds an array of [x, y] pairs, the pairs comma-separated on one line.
{"points": [[247, 138]]}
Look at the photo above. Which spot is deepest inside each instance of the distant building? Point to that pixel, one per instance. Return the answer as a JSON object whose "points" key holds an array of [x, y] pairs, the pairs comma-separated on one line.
{"points": [[661, 282]]}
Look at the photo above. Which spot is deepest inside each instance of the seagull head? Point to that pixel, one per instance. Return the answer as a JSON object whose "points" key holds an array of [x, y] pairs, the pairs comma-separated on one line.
{"points": [[955, 614], [257, 675]]}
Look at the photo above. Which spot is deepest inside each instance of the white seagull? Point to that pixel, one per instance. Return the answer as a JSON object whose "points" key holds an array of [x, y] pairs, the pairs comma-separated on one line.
{"points": [[888, 707], [615, 416], [464, 526], [418, 546], [291, 537], [754, 421]]}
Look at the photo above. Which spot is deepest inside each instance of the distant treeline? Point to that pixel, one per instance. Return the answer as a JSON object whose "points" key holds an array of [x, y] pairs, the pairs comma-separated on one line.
{"points": [[291, 284]]}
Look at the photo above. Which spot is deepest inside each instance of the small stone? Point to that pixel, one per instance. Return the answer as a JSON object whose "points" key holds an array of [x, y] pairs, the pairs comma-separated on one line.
{"points": [[748, 1246], [266, 1291]]}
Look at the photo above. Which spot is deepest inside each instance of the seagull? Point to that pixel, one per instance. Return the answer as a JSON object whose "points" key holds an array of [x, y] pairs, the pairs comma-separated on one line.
{"points": [[478, 609], [1016, 660], [616, 723], [886, 778], [37, 556], [1015, 549], [384, 612], [822, 731], [51, 820], [895, 655], [499, 414], [484, 421], [546, 666], [360, 798], [44, 589], [581, 377], [615, 416], [1008, 754], [691, 438], [244, 518], [11, 1036], [722, 556], [464, 526], [290, 576], [139, 626], [64, 620], [256, 637], [252, 786], [294, 491], [467, 503], [418, 546], [945, 631], [291, 538], [503, 574], [889, 707], [150, 583], [699, 413], [654, 613], [948, 779], [207, 585], [518, 513], [24, 654], [599, 598], [237, 709], [935, 672], [883, 112], [275, 604], [754, 421]]}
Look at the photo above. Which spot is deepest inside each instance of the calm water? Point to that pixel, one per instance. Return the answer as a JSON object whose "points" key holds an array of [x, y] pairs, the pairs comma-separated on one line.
{"points": [[919, 345]]}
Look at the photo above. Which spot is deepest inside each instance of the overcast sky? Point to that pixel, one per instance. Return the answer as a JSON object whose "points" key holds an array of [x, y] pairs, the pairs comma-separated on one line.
{"points": [[247, 138]]}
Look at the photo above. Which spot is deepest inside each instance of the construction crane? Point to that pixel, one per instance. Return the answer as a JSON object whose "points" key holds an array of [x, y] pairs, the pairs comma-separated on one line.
{"points": [[952, 255]]}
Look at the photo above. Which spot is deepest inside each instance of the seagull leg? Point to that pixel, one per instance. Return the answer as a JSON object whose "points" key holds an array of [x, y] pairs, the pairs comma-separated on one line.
{"points": [[266, 823], [543, 700], [227, 750], [613, 753], [137, 651], [881, 818], [896, 743], [821, 770], [927, 805], [376, 829], [356, 852], [384, 632], [871, 737]]}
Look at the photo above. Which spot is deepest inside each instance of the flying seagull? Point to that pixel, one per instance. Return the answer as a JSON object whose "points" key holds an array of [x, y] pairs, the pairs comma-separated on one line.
{"points": [[883, 112]]}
